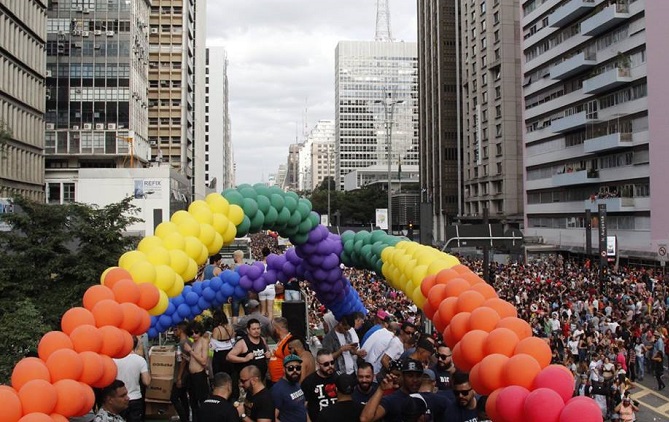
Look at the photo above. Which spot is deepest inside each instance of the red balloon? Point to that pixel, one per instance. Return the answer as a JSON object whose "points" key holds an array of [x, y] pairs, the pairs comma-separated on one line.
{"points": [[126, 291], [439, 325], [448, 337], [472, 348], [461, 269], [459, 325], [108, 374], [491, 406], [127, 345], [144, 325], [468, 301], [70, 397], [28, 369], [486, 290], [88, 399], [475, 377], [444, 276], [52, 341], [107, 312], [581, 409], [59, 418], [456, 287], [458, 356], [36, 417], [492, 367], [517, 325], [543, 405], [472, 278], [436, 294], [510, 403], [557, 379], [132, 316], [74, 317], [537, 348], [149, 296], [446, 309], [86, 338], [38, 396], [64, 364], [501, 340], [427, 284], [114, 275], [112, 341], [428, 310], [11, 405], [483, 318], [93, 367], [521, 370], [95, 294], [503, 308]]}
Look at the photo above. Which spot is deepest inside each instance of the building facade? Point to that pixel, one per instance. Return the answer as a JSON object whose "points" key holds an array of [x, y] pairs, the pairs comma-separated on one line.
{"points": [[320, 140], [376, 83], [22, 88], [96, 96], [218, 142], [594, 90]]}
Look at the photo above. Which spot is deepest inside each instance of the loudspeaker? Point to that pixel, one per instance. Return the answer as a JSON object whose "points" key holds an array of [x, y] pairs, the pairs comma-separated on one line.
{"points": [[296, 314]]}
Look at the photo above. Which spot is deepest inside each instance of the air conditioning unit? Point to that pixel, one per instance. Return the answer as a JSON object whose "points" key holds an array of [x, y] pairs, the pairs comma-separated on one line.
{"points": [[154, 30], [87, 10], [97, 46], [75, 127], [85, 33], [76, 32], [110, 33], [111, 126], [153, 143], [80, 9], [50, 126], [88, 126], [77, 45], [99, 126], [77, 90], [48, 73], [98, 32]]}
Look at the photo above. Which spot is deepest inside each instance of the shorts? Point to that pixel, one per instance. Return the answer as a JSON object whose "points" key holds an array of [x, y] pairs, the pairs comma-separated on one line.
{"points": [[268, 294]]}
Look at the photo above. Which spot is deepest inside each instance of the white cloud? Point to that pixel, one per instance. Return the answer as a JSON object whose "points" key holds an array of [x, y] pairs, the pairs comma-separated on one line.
{"points": [[281, 61]]}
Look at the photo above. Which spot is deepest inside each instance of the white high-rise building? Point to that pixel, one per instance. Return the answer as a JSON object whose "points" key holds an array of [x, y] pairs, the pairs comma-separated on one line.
{"points": [[218, 170], [313, 156], [376, 83]]}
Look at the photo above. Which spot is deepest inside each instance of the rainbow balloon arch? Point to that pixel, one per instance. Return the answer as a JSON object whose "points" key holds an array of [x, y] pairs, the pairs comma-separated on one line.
{"points": [[146, 293]]}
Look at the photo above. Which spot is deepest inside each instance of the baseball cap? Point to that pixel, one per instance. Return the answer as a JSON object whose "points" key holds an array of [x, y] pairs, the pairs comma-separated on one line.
{"points": [[412, 365], [345, 383], [381, 314], [430, 374], [251, 304], [291, 358]]}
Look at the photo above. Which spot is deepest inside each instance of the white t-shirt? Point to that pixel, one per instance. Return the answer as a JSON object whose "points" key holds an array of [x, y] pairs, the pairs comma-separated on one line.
{"points": [[130, 369], [349, 360], [382, 342]]}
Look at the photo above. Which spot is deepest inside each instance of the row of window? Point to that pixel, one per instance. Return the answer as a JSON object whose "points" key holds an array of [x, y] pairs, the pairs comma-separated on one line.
{"points": [[25, 127], [20, 84], [576, 194], [89, 70], [60, 192], [20, 164], [77, 27], [90, 6], [21, 44], [89, 48], [617, 222]]}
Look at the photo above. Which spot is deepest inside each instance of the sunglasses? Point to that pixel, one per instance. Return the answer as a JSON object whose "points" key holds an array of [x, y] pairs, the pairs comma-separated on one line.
{"points": [[326, 364], [461, 392], [443, 357], [294, 368]]}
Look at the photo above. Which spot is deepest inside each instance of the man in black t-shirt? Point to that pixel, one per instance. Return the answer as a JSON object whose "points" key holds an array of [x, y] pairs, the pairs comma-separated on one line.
{"points": [[463, 409], [319, 388], [259, 406], [366, 385], [217, 408], [444, 368], [345, 409]]}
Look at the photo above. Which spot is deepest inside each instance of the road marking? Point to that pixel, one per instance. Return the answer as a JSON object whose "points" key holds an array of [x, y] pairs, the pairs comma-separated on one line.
{"points": [[644, 391]]}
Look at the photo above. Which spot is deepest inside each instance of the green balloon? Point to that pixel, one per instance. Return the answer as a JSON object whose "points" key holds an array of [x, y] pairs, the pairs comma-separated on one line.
{"points": [[277, 201], [362, 235], [293, 195], [275, 189], [299, 238], [357, 246], [315, 218], [244, 186], [347, 235], [303, 209], [366, 252], [233, 197], [348, 246], [289, 231], [295, 219], [270, 217], [290, 203], [306, 202], [250, 207], [346, 258], [378, 247], [284, 216], [243, 227], [261, 189], [263, 203], [257, 222], [249, 193], [377, 235], [305, 226]]}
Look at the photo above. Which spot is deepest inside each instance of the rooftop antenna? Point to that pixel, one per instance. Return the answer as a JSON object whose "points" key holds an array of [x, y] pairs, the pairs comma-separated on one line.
{"points": [[383, 32]]}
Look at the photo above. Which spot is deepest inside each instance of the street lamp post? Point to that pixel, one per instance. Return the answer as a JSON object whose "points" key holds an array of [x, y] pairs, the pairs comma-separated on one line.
{"points": [[389, 114]]}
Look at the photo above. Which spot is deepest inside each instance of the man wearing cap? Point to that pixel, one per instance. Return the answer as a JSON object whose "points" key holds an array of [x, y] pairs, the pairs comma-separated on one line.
{"points": [[252, 311], [346, 409], [288, 397], [424, 350], [390, 407]]}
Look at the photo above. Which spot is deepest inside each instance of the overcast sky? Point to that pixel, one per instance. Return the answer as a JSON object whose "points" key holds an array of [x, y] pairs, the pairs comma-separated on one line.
{"points": [[281, 62]]}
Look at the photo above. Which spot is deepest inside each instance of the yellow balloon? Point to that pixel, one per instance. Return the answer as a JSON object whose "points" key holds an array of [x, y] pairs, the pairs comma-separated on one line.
{"points": [[129, 258], [159, 256], [174, 241], [438, 265], [177, 287], [236, 214], [147, 244], [230, 233], [217, 203], [216, 245], [425, 259], [402, 244], [161, 307], [419, 274], [193, 247], [207, 233], [203, 215], [143, 272], [189, 227], [386, 253], [204, 254], [409, 267], [165, 277], [418, 298], [220, 223], [165, 228], [191, 271], [401, 282], [180, 216], [178, 261], [402, 261], [386, 269], [413, 248]]}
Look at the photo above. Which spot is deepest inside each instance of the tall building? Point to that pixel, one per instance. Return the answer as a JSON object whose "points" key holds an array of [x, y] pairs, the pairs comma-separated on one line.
{"points": [[321, 153], [594, 87], [376, 84], [22, 56], [440, 179], [219, 171], [96, 97], [290, 182], [492, 171], [176, 72]]}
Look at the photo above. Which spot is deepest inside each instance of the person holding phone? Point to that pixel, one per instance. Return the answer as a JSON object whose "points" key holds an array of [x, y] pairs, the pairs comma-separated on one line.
{"points": [[343, 342]]}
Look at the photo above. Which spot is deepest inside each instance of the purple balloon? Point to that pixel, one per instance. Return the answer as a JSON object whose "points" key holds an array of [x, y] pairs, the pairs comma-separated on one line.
{"points": [[320, 274], [308, 248], [301, 273], [334, 274], [324, 287], [288, 269], [245, 283], [324, 247], [314, 236], [243, 269], [329, 297], [259, 285], [315, 260], [271, 259], [254, 272], [337, 287], [292, 257], [270, 277], [282, 277], [331, 261], [341, 296]]}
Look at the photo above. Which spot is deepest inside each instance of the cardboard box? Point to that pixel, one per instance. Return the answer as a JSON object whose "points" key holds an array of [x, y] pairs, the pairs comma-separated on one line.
{"points": [[163, 361], [160, 388], [159, 410]]}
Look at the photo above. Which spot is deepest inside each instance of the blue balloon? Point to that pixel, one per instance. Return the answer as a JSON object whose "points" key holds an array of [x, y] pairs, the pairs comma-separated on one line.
{"points": [[176, 318], [227, 290], [209, 294], [203, 303], [197, 287], [177, 300], [154, 320], [216, 284], [205, 284], [187, 288], [165, 320], [183, 310], [159, 328], [192, 298], [153, 333], [195, 310], [221, 297], [170, 309], [239, 293], [234, 279]]}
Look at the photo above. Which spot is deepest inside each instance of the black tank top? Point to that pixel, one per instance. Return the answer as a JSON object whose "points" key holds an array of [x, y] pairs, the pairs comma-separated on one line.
{"points": [[259, 359]]}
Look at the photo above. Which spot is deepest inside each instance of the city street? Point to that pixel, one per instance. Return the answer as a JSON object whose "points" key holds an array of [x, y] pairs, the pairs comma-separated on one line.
{"points": [[653, 404]]}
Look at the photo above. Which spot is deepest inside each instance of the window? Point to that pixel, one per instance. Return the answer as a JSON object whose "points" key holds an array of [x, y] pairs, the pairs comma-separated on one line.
{"points": [[498, 92], [483, 8], [498, 148], [498, 111], [498, 134], [484, 79], [68, 193], [495, 18], [53, 193], [496, 36]]}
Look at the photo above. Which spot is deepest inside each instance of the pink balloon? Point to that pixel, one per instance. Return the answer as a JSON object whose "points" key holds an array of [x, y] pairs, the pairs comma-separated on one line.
{"points": [[511, 402], [543, 405], [581, 409], [557, 379]]}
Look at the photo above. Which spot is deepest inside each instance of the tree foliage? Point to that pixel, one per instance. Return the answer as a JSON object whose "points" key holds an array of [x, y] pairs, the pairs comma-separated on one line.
{"points": [[357, 207]]}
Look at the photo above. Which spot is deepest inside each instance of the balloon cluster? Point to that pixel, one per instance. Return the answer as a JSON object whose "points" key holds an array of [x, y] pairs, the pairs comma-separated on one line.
{"points": [[255, 278], [363, 249], [57, 385], [270, 208]]}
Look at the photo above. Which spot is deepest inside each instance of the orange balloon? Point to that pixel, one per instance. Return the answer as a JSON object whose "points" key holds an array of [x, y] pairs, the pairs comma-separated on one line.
{"points": [[65, 364], [74, 317], [52, 341], [468, 301], [132, 316], [126, 290], [447, 309], [36, 417], [475, 378], [108, 374], [114, 274], [486, 290], [456, 286], [444, 276], [427, 284], [436, 294], [439, 325], [59, 418], [472, 278], [148, 296], [127, 345], [520, 370], [70, 397], [11, 405], [86, 338], [93, 367], [112, 341], [38, 396], [472, 348], [503, 308], [491, 368], [28, 369], [491, 406], [428, 310], [458, 357], [95, 294], [517, 325], [502, 341], [107, 312], [144, 325], [461, 269], [537, 348], [483, 318], [88, 399], [459, 325], [448, 337]]}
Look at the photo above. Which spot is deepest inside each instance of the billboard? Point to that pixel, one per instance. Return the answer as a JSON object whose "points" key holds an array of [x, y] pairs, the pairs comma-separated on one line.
{"points": [[6, 207], [382, 218]]}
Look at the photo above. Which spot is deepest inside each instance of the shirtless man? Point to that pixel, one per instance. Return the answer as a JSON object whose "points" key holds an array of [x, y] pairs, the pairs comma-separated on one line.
{"points": [[199, 382]]}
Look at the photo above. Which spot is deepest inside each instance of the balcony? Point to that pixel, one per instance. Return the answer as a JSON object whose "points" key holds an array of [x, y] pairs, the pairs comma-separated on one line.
{"points": [[579, 177], [606, 19], [612, 204], [573, 122], [570, 12], [574, 65], [608, 142], [608, 80]]}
